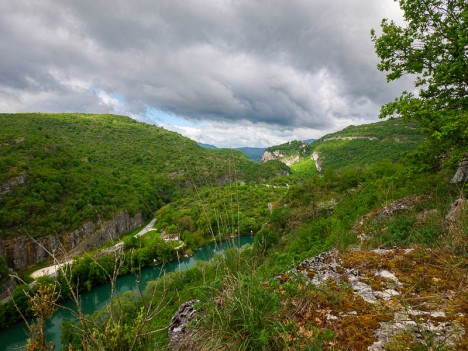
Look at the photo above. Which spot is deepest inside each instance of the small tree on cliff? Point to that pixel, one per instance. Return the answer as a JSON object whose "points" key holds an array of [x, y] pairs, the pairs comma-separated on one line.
{"points": [[432, 46]]}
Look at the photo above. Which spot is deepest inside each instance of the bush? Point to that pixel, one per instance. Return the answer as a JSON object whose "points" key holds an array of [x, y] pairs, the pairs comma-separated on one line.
{"points": [[244, 318], [265, 239]]}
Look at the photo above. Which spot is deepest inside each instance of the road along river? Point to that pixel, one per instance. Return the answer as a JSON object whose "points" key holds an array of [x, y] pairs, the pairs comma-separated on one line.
{"points": [[15, 336]]}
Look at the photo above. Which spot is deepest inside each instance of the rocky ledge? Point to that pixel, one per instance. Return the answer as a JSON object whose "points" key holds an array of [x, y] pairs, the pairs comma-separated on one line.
{"points": [[22, 251], [383, 299], [178, 333]]}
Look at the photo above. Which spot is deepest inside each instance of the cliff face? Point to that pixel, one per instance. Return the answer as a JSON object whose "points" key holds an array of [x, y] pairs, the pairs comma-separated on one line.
{"points": [[316, 158], [278, 155], [288, 153], [23, 251]]}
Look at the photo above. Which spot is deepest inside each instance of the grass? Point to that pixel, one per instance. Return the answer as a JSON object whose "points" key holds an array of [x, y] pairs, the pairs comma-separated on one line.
{"points": [[245, 307]]}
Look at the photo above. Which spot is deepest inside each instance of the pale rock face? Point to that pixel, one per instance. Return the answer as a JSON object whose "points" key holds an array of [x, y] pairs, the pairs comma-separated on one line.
{"points": [[10, 184], [23, 251], [316, 158], [278, 155], [349, 138], [461, 174], [269, 156], [177, 332]]}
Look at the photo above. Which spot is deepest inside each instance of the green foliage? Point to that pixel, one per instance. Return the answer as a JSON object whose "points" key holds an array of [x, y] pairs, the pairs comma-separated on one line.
{"points": [[4, 273], [243, 308], [359, 146], [265, 239], [130, 242], [432, 47], [247, 319], [290, 148], [304, 167], [66, 169], [221, 212], [18, 302], [279, 217]]}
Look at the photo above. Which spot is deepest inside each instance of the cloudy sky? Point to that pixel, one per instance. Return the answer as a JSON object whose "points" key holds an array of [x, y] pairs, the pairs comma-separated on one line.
{"points": [[225, 72]]}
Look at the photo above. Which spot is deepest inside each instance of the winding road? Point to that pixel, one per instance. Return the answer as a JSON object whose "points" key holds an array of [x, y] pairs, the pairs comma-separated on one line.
{"points": [[52, 270]]}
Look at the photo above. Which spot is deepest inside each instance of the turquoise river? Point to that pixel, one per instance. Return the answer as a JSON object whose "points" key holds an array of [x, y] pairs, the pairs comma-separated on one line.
{"points": [[14, 338]]}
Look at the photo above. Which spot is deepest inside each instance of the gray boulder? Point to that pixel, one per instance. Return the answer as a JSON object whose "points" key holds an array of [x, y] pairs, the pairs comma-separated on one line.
{"points": [[178, 332], [461, 175]]}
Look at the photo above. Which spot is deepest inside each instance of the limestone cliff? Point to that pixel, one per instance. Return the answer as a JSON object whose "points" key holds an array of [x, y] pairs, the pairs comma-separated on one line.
{"points": [[22, 251], [288, 153], [318, 163]]}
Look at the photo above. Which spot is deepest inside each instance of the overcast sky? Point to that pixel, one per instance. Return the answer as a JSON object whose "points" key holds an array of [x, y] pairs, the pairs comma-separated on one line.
{"points": [[225, 72]]}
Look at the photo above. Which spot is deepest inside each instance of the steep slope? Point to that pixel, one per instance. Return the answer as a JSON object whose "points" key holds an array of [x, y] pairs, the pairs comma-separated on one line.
{"points": [[354, 146], [366, 144], [289, 153], [61, 171]]}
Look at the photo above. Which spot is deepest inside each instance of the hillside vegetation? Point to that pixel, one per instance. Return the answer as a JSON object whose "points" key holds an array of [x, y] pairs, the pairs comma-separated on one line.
{"points": [[262, 298], [60, 170], [219, 212], [257, 298], [253, 153], [353, 146]]}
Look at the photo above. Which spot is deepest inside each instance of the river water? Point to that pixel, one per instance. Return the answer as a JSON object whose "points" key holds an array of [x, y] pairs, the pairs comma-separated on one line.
{"points": [[15, 337]]}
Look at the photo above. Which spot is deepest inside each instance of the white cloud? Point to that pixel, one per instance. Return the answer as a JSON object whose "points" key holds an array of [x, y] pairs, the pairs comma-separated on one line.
{"points": [[275, 69], [245, 133]]}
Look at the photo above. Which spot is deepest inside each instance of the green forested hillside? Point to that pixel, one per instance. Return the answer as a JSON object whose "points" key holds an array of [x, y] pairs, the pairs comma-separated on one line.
{"points": [[59, 170], [251, 298], [220, 212], [361, 145], [290, 148]]}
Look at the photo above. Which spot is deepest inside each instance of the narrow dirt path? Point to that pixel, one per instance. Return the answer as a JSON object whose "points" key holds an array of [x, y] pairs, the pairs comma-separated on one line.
{"points": [[52, 270]]}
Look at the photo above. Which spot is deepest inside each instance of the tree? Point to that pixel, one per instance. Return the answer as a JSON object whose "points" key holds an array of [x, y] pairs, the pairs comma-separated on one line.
{"points": [[432, 46], [3, 269]]}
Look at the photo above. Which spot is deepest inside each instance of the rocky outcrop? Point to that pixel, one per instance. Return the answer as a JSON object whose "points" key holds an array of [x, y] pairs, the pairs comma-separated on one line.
{"points": [[10, 184], [278, 155], [378, 298], [384, 213], [178, 332], [458, 210], [461, 175], [22, 251], [269, 156], [348, 138], [316, 158], [287, 156], [6, 288]]}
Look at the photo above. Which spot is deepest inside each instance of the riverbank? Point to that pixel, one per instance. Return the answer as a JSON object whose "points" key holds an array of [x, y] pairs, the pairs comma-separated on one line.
{"points": [[15, 336], [52, 270]]}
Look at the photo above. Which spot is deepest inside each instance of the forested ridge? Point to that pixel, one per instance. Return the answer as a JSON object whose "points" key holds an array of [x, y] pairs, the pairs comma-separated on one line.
{"points": [[362, 244], [60, 170]]}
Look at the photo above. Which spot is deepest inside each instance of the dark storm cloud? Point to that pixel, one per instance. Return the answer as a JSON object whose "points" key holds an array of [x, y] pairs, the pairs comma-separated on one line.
{"points": [[297, 63]]}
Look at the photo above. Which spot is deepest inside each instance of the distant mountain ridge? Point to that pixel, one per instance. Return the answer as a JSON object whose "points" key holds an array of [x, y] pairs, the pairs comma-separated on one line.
{"points": [[207, 146], [255, 154]]}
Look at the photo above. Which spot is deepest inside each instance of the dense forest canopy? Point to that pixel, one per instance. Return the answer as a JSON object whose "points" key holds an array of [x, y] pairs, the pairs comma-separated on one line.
{"points": [[60, 170]]}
